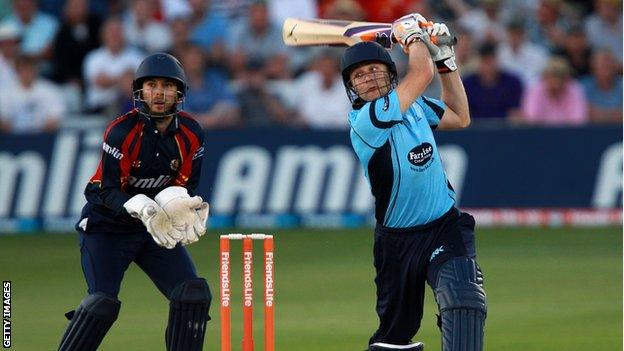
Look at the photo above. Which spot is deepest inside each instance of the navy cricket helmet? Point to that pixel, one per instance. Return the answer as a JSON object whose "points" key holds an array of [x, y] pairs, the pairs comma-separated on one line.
{"points": [[362, 53], [159, 65]]}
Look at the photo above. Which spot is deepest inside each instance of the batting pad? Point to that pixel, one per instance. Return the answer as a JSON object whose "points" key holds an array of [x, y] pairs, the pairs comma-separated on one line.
{"points": [[462, 304]]}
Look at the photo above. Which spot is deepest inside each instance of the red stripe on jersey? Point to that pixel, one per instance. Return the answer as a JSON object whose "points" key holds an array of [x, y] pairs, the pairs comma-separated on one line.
{"points": [[97, 176], [180, 179], [125, 164], [187, 158], [117, 121]]}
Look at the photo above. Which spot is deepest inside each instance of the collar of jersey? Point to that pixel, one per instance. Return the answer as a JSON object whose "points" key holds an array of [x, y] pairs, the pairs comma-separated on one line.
{"points": [[172, 128]]}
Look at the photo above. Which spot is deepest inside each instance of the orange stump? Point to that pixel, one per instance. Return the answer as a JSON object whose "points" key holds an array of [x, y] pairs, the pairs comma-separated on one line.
{"points": [[248, 344], [269, 272], [224, 249]]}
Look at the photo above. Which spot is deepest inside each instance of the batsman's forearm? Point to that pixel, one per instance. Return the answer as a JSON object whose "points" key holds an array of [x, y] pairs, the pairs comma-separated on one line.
{"points": [[419, 75], [454, 95]]}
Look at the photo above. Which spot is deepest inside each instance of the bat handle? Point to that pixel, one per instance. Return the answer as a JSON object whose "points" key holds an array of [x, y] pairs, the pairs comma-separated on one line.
{"points": [[444, 40], [437, 40]]}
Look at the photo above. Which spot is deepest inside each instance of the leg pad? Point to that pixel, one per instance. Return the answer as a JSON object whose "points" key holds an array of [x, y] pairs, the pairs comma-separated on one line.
{"points": [[90, 322], [188, 315], [462, 303]]}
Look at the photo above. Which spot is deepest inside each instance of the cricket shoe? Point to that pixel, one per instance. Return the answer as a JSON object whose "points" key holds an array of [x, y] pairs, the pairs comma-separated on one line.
{"points": [[382, 346]]}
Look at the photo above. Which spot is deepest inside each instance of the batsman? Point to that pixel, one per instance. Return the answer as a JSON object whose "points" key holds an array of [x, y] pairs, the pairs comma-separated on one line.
{"points": [[420, 235], [140, 209]]}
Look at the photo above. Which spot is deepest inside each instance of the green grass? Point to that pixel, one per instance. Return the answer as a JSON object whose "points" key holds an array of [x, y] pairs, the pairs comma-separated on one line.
{"points": [[548, 289]]}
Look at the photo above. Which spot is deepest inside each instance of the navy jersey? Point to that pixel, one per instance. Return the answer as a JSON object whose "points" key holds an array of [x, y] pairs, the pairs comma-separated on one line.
{"points": [[401, 161], [137, 159]]}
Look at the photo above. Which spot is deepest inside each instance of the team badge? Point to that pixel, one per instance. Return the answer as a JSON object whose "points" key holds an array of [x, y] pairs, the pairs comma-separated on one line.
{"points": [[175, 164]]}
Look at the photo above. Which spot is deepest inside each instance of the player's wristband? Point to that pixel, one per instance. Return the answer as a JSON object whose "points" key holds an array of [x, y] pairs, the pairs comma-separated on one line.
{"points": [[446, 66]]}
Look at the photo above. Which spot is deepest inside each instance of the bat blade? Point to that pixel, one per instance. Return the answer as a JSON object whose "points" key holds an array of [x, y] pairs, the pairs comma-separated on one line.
{"points": [[299, 32]]}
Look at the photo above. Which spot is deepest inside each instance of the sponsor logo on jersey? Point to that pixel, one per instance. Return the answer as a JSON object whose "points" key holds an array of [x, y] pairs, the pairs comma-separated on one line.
{"points": [[149, 183], [421, 154], [113, 151]]}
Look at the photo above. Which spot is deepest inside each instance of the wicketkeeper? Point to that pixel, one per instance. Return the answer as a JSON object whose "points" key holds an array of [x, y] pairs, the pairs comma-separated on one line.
{"points": [[140, 209], [420, 234]]}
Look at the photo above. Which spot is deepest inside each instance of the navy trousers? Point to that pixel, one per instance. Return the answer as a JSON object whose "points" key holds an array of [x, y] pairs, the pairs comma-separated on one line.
{"points": [[405, 259], [106, 256]]}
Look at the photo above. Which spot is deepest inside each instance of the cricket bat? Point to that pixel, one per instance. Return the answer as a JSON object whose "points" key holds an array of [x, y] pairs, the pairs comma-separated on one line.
{"points": [[300, 32]]}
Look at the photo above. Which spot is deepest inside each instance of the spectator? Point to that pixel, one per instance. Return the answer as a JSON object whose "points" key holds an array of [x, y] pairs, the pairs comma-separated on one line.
{"points": [[465, 52], [77, 36], [576, 50], [519, 56], [555, 100], [31, 104], [604, 88], [124, 100], [492, 93], [348, 10], [320, 92], [209, 97], [173, 9], [548, 25], [604, 27], [259, 106], [143, 31], [103, 67], [279, 10], [37, 28], [261, 38], [180, 30], [209, 30], [9, 48], [484, 21]]}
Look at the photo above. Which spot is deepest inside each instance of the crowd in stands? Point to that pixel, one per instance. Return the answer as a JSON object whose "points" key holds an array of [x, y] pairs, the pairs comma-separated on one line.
{"points": [[532, 62]]}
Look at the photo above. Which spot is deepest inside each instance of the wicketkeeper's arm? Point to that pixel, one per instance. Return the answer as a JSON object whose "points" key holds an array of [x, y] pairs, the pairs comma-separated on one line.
{"points": [[110, 172]]}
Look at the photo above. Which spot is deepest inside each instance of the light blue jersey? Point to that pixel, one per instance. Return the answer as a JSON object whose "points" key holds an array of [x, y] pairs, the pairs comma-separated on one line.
{"points": [[401, 160]]}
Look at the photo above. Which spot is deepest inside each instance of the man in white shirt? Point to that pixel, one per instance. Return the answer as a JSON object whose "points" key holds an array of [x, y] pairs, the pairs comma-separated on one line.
{"points": [[105, 67], [143, 31], [9, 47], [518, 55], [320, 94], [31, 104]]}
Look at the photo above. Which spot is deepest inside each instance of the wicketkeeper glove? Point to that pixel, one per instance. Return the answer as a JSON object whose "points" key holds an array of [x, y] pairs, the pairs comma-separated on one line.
{"points": [[154, 218], [407, 29], [184, 212], [202, 219], [442, 54]]}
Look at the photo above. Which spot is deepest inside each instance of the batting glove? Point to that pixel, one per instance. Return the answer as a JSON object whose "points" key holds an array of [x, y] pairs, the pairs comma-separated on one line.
{"points": [[154, 218], [442, 54], [181, 208], [407, 29]]}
